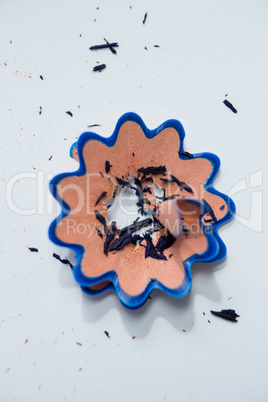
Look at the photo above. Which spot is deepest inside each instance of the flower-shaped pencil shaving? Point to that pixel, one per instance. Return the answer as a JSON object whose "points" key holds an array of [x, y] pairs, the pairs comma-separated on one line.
{"points": [[178, 211]]}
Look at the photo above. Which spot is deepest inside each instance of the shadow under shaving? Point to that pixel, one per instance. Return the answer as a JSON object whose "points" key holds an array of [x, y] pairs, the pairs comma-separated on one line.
{"points": [[180, 313]]}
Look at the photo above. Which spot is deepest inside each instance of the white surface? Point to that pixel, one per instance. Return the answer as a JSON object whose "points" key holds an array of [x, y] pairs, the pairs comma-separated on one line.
{"points": [[207, 49]]}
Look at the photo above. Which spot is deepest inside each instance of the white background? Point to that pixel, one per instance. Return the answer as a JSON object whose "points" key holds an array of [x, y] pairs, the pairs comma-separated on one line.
{"points": [[207, 49]]}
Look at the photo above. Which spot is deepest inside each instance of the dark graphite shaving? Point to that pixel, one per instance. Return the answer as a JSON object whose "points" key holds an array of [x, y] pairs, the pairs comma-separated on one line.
{"points": [[149, 179], [152, 170], [99, 233], [160, 198], [147, 189], [105, 46], [100, 67], [152, 230], [107, 167], [33, 249], [139, 186], [230, 106], [122, 241], [102, 220], [109, 237], [157, 226], [136, 238], [185, 231], [144, 18], [165, 242], [229, 314], [111, 48], [125, 183], [139, 193], [63, 260], [187, 154], [181, 184], [211, 213], [103, 194], [150, 250], [135, 226]]}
